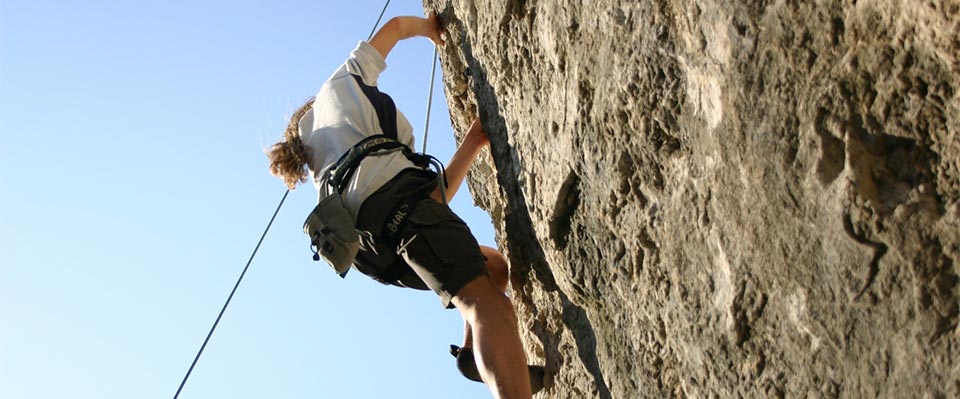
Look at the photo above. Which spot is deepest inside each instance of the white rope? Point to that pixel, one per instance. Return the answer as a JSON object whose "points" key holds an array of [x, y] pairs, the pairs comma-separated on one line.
{"points": [[433, 75]]}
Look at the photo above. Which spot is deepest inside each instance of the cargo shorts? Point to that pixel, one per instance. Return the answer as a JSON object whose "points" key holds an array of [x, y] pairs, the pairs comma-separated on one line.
{"points": [[433, 248]]}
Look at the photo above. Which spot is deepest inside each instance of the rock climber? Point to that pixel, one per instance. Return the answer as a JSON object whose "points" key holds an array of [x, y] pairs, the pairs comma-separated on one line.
{"points": [[434, 248]]}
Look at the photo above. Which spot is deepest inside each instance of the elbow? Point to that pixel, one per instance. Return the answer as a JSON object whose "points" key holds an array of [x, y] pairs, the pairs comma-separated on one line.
{"points": [[388, 36], [395, 27]]}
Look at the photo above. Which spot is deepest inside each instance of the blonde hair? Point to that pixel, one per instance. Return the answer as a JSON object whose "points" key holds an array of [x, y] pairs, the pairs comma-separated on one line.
{"points": [[288, 157]]}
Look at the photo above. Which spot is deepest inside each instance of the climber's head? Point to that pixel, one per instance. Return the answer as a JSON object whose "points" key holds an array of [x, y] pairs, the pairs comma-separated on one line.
{"points": [[288, 157]]}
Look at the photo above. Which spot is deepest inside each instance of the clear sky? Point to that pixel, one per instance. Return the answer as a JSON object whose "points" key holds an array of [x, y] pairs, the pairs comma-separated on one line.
{"points": [[134, 186]]}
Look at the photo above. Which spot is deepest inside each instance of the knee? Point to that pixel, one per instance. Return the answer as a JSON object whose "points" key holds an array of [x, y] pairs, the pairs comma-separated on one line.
{"points": [[481, 297], [496, 265]]}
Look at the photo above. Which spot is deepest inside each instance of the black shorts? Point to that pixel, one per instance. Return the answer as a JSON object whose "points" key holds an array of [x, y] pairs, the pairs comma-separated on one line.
{"points": [[435, 247]]}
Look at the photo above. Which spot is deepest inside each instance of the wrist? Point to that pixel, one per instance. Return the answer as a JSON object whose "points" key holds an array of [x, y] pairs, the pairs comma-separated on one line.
{"points": [[423, 26], [477, 136], [475, 141]]}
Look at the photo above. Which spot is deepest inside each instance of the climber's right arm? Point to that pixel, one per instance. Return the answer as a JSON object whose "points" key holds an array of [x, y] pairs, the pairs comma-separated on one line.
{"points": [[475, 140], [400, 28]]}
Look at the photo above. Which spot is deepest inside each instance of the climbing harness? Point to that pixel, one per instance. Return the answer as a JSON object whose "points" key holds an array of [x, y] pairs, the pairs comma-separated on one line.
{"points": [[330, 226], [277, 210]]}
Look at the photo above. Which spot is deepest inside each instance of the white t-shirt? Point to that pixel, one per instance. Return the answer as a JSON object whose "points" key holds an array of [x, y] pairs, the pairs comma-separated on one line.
{"points": [[342, 116]]}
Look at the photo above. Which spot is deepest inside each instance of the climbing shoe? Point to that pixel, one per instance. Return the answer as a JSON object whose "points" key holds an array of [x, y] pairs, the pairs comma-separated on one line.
{"points": [[468, 367]]}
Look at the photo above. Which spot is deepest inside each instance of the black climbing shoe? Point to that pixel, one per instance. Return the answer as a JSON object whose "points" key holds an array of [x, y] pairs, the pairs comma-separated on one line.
{"points": [[537, 374], [466, 363], [468, 367]]}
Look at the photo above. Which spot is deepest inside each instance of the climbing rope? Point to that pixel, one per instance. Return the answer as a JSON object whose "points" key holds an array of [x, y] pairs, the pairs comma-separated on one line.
{"points": [[280, 205], [224, 309], [433, 74]]}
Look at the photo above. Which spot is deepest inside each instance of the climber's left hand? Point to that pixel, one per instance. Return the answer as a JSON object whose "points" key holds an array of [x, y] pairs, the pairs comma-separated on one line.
{"points": [[433, 30]]}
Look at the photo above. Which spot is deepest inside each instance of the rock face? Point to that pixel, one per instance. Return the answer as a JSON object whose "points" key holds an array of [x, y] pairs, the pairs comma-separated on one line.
{"points": [[718, 198]]}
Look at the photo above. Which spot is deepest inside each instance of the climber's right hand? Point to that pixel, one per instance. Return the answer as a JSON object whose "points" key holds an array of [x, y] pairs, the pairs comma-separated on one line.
{"points": [[476, 133]]}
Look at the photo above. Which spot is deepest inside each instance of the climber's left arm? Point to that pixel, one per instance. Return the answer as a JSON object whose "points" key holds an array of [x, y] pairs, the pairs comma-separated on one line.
{"points": [[475, 140], [400, 28]]}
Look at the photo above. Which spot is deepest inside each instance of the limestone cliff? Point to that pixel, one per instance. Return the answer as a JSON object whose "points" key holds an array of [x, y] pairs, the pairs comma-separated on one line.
{"points": [[719, 198]]}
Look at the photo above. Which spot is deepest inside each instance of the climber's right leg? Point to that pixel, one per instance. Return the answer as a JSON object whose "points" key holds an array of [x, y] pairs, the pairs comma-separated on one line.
{"points": [[496, 265], [496, 342], [439, 247]]}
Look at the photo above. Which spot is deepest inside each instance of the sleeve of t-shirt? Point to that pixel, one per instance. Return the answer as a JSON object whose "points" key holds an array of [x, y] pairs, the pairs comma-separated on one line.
{"points": [[341, 102], [366, 62]]}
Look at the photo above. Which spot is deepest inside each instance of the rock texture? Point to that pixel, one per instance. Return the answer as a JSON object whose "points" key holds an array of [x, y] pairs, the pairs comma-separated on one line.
{"points": [[719, 198]]}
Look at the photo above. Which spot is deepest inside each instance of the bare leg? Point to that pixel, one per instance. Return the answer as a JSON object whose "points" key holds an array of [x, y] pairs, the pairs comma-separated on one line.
{"points": [[497, 347], [497, 266]]}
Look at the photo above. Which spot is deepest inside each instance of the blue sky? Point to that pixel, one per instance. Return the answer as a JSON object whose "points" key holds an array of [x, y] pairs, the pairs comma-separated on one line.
{"points": [[134, 187]]}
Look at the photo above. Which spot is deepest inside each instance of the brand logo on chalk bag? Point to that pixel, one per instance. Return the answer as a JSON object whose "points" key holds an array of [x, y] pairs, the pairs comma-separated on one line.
{"points": [[394, 224]]}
